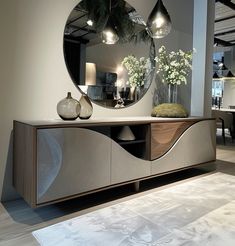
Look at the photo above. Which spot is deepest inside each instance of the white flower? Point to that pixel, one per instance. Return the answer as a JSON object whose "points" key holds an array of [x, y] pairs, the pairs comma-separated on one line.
{"points": [[138, 70], [175, 66], [161, 49]]}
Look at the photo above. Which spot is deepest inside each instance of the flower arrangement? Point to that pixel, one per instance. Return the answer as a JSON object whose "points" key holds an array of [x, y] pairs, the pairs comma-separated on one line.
{"points": [[137, 69], [175, 66]]}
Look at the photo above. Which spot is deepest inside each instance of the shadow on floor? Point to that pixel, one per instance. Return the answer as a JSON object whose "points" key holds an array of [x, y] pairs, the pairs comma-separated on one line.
{"points": [[20, 212]]}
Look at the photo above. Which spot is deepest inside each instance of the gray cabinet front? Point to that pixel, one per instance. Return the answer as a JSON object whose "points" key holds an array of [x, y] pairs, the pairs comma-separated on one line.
{"points": [[71, 161]]}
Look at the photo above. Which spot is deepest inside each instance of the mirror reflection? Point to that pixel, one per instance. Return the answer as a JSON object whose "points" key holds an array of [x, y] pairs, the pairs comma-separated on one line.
{"points": [[108, 52]]}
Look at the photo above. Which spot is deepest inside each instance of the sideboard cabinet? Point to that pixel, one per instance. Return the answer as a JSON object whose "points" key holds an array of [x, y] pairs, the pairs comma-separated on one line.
{"points": [[59, 160]]}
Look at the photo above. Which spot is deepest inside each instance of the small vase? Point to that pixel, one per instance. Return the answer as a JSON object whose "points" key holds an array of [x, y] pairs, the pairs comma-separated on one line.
{"points": [[68, 108], [133, 93], [86, 107], [172, 93]]}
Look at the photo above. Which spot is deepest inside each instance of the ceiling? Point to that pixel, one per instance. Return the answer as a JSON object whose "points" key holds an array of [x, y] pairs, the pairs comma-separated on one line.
{"points": [[77, 28], [224, 22], [224, 32]]}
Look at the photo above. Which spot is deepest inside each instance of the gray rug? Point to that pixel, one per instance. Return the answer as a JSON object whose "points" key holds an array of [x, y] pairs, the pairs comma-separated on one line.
{"points": [[199, 212]]}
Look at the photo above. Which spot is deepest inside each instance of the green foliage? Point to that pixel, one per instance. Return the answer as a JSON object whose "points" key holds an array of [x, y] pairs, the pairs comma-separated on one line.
{"points": [[169, 110]]}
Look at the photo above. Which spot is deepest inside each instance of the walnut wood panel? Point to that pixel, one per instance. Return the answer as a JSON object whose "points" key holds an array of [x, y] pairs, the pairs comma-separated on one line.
{"points": [[24, 169], [164, 135]]}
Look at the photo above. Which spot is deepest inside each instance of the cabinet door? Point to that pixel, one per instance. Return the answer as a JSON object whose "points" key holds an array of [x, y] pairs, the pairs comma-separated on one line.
{"points": [[71, 161], [127, 167], [164, 135], [195, 146]]}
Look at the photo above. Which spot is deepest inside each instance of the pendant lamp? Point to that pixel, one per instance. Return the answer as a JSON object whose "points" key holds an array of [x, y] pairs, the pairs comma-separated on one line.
{"points": [[229, 76], [216, 76], [109, 34], [159, 21]]}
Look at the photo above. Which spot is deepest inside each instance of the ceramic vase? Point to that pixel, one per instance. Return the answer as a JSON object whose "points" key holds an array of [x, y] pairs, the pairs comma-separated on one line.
{"points": [[86, 107], [68, 108]]}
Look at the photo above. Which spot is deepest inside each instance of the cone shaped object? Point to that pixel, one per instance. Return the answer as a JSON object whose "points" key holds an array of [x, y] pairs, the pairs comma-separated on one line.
{"points": [[126, 134]]}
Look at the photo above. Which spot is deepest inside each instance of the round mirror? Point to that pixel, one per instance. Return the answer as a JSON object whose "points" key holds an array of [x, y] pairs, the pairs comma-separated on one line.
{"points": [[108, 52]]}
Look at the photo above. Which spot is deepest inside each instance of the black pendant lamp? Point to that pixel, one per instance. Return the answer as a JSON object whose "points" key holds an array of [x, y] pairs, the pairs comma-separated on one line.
{"points": [[216, 76], [230, 74], [109, 34], [159, 21]]}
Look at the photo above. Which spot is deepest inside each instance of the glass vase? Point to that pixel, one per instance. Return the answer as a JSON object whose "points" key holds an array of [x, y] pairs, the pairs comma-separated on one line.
{"points": [[68, 108], [133, 93], [86, 107], [172, 93]]}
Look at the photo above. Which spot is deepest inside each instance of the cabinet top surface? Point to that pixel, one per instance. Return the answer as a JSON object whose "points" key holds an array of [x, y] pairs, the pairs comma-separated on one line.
{"points": [[106, 121]]}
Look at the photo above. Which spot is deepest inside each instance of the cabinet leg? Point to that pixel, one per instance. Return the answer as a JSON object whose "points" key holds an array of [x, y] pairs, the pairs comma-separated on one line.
{"points": [[136, 186]]}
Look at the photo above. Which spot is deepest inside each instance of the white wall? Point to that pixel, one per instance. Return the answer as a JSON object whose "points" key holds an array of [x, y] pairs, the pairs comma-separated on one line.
{"points": [[229, 93], [33, 73], [203, 40]]}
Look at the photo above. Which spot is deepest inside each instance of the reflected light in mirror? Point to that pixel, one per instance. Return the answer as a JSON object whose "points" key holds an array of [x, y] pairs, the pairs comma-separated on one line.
{"points": [[122, 76], [89, 22], [109, 35], [90, 73]]}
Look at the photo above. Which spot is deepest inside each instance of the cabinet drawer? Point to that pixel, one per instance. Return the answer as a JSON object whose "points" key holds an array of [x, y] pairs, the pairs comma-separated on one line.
{"points": [[164, 135]]}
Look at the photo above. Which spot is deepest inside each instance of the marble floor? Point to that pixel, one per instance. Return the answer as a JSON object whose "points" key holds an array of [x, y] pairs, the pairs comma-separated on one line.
{"points": [[186, 208], [198, 212]]}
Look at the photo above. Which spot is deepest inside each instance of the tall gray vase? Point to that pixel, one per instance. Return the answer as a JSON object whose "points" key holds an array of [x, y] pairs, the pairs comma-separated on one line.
{"points": [[86, 107]]}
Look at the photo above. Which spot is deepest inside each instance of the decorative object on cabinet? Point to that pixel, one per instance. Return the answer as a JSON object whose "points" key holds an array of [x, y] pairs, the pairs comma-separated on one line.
{"points": [[159, 148], [126, 134], [169, 110], [174, 69], [172, 93], [68, 108], [86, 107], [159, 21]]}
